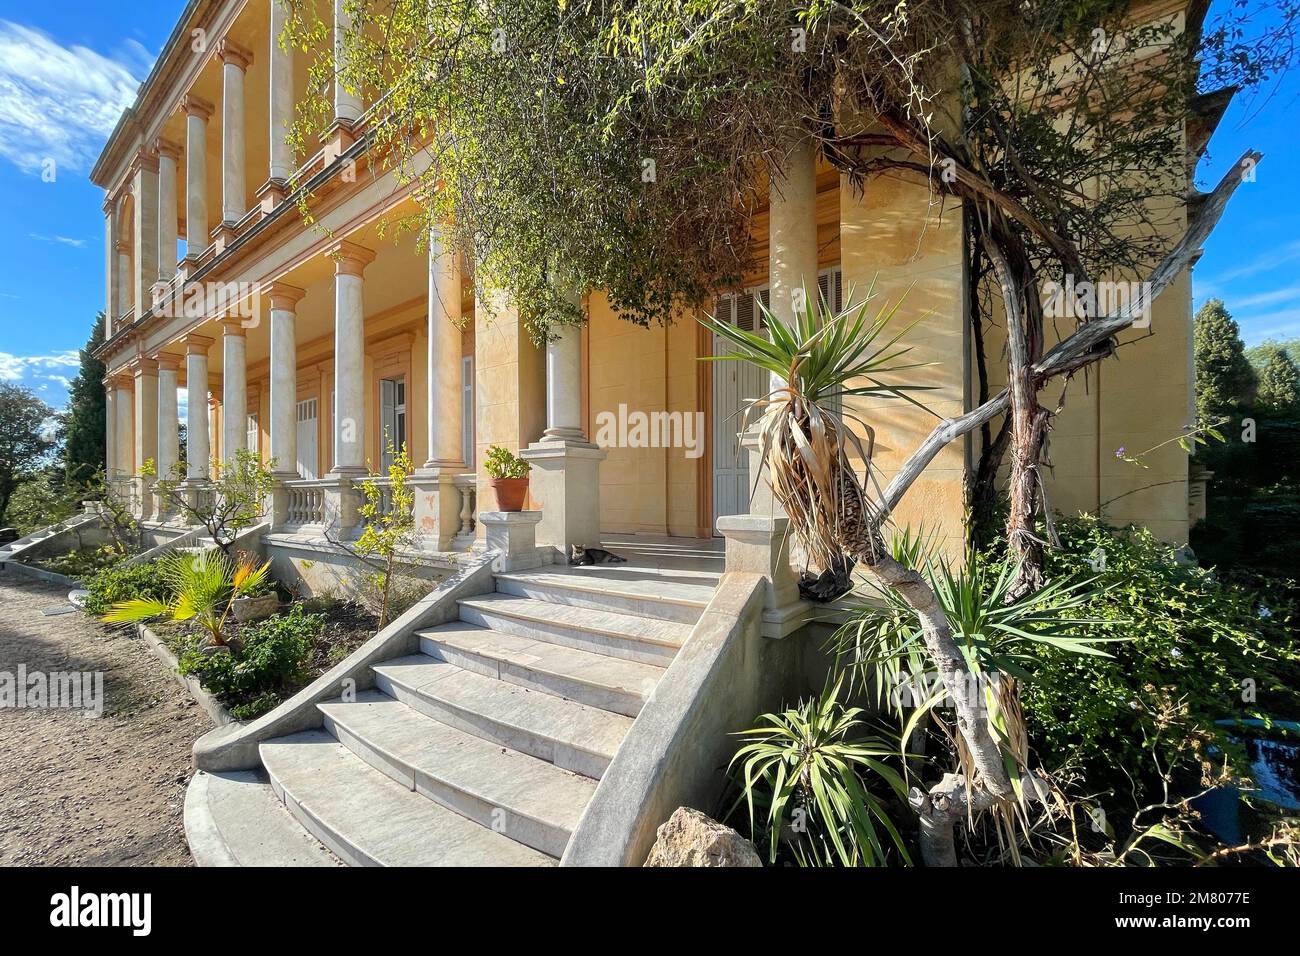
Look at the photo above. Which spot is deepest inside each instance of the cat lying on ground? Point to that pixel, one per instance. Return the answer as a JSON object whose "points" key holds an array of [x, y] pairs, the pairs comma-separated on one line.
{"points": [[581, 554]]}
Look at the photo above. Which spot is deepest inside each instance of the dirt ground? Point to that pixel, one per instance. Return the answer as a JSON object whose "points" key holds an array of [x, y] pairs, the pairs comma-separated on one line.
{"points": [[82, 791]]}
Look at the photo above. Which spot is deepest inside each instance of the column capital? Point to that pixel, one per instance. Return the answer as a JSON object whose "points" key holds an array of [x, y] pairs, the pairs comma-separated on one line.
{"points": [[350, 258], [143, 365], [165, 147], [168, 362], [284, 296], [197, 344], [196, 106], [146, 159], [232, 325], [231, 52], [118, 380]]}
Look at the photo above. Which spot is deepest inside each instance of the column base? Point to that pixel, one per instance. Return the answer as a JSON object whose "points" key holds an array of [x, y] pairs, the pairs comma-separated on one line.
{"points": [[513, 536], [565, 483], [337, 139], [224, 235]]}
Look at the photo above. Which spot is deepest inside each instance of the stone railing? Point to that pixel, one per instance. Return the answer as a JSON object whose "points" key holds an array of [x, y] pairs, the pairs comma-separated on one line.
{"points": [[467, 485], [306, 502]]}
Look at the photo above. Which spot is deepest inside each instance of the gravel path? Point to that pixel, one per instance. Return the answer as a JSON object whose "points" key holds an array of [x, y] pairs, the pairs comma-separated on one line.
{"points": [[83, 791]]}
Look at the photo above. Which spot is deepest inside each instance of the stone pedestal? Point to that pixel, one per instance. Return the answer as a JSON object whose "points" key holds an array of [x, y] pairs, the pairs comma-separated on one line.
{"points": [[278, 510], [343, 500], [437, 507], [565, 482], [758, 544], [513, 536]]}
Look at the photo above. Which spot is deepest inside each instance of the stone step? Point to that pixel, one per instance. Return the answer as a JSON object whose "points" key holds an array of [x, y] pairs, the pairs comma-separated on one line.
{"points": [[370, 820], [564, 732], [592, 679], [235, 819], [648, 640], [529, 800], [651, 596]]}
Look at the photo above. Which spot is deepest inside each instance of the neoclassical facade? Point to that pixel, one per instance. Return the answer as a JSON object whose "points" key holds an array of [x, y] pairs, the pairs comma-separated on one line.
{"points": [[316, 344]]}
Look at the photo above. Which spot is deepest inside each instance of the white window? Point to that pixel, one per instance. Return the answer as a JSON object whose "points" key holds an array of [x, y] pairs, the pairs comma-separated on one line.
{"points": [[307, 417], [467, 410], [254, 433], [392, 418]]}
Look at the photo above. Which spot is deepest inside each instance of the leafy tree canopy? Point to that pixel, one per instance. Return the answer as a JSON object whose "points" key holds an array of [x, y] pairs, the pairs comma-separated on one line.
{"points": [[1279, 383], [26, 438]]}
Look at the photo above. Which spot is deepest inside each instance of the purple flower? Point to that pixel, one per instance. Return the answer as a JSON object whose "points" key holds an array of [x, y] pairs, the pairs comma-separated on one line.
{"points": [[1119, 452]]}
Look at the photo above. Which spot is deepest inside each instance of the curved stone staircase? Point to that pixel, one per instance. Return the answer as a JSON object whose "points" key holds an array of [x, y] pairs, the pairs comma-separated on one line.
{"points": [[482, 749]]}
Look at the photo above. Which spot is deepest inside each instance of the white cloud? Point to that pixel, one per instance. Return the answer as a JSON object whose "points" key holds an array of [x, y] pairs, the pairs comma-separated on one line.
{"points": [[60, 103], [65, 240], [16, 368]]}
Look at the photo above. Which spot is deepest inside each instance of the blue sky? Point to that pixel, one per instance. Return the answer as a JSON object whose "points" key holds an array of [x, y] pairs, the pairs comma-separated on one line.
{"points": [[68, 67]]}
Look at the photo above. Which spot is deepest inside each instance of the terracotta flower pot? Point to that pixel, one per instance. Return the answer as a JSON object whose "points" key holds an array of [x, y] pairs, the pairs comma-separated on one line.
{"points": [[510, 493]]}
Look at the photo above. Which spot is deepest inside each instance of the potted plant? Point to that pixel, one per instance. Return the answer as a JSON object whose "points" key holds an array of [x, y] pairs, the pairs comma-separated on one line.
{"points": [[509, 478]]}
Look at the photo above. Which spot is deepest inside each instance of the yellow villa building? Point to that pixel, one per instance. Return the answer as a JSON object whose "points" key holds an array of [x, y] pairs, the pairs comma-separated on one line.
{"points": [[523, 712], [311, 344]]}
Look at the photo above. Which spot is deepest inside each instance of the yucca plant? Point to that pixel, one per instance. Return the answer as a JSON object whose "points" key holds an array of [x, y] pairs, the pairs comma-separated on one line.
{"points": [[807, 770], [816, 359], [203, 587]]}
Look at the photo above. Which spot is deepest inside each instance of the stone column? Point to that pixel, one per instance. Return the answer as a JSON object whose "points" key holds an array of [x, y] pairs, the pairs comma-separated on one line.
{"points": [[437, 500], [284, 378], [169, 155], [168, 416], [110, 429], [168, 425], [110, 269], [146, 427], [124, 409], [125, 284], [792, 232], [281, 113], [234, 389], [235, 59], [792, 272], [145, 188], [347, 105], [350, 261], [197, 114], [198, 446], [565, 479], [284, 394]]}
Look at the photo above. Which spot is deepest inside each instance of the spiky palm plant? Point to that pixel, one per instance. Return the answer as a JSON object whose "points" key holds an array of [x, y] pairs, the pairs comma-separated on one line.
{"points": [[815, 359], [806, 767], [203, 587]]}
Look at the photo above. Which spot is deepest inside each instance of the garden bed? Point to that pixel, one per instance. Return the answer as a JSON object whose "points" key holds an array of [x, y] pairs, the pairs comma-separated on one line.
{"points": [[270, 660]]}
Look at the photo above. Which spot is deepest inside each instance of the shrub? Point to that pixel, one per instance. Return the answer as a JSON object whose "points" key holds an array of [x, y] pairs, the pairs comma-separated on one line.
{"points": [[83, 563], [1199, 649], [500, 463], [267, 662], [121, 582]]}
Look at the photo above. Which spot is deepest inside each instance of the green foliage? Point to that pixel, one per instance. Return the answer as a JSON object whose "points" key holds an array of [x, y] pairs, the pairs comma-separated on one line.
{"points": [[25, 439], [1258, 355], [84, 422], [83, 563], [267, 663], [200, 587], [1279, 382], [42, 500], [121, 582], [1195, 649], [1224, 378], [808, 770], [388, 530], [500, 463], [237, 500]]}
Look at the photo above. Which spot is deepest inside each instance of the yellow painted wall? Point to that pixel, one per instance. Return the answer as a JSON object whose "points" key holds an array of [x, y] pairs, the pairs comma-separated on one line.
{"points": [[509, 389], [914, 252]]}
